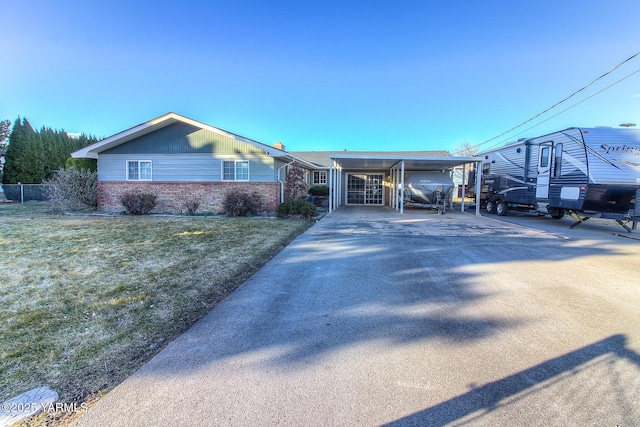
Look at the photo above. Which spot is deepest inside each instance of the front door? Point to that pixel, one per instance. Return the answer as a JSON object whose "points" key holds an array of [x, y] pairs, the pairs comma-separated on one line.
{"points": [[365, 189], [544, 170]]}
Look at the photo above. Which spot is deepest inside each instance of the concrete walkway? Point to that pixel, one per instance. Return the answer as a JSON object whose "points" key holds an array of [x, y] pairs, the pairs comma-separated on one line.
{"points": [[376, 318]]}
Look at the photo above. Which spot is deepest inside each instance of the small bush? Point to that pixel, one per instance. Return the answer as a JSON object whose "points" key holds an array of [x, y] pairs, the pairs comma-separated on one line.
{"points": [[296, 209], [319, 190], [138, 203], [239, 203], [191, 206], [71, 190]]}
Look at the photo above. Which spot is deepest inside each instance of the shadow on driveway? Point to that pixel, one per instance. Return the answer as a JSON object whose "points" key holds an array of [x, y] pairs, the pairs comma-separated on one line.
{"points": [[597, 360]]}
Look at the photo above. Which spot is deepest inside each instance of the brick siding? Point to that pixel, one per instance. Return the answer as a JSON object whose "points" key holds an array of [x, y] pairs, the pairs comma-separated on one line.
{"points": [[172, 196]]}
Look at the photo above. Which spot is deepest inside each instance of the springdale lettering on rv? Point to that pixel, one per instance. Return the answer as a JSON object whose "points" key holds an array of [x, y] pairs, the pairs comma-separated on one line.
{"points": [[624, 149]]}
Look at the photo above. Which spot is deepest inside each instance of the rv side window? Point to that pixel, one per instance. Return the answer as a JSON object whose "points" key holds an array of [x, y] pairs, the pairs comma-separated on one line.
{"points": [[544, 157], [486, 168], [557, 166]]}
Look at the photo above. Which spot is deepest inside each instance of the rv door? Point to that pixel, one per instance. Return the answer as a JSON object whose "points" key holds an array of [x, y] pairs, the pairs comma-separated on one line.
{"points": [[544, 170]]}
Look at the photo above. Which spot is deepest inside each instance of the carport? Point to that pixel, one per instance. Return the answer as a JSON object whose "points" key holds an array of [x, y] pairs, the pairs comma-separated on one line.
{"points": [[389, 171]]}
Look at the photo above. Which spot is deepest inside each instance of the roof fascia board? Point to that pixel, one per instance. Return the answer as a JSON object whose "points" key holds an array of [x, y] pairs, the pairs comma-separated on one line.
{"points": [[399, 157], [448, 159]]}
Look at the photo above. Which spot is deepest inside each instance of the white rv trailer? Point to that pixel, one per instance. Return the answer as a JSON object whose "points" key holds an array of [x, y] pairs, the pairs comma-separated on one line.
{"points": [[588, 172]]}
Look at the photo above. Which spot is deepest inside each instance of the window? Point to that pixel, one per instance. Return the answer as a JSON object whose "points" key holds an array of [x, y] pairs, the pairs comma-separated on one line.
{"points": [[138, 170], [237, 170], [544, 157], [319, 177], [557, 166]]}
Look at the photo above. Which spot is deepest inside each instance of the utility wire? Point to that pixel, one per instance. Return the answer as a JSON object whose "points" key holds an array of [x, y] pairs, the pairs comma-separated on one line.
{"points": [[568, 108], [563, 100]]}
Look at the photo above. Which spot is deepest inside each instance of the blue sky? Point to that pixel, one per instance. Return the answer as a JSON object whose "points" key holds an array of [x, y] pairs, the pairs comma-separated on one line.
{"points": [[329, 75]]}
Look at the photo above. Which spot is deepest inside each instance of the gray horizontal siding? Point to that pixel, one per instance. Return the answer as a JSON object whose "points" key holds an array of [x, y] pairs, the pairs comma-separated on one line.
{"points": [[185, 167], [180, 138]]}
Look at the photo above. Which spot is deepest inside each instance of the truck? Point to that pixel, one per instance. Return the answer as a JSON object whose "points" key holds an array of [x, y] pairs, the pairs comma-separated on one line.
{"points": [[585, 172]]}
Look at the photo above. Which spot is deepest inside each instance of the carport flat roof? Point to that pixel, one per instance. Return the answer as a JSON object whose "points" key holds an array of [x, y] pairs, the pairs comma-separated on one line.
{"points": [[411, 163]]}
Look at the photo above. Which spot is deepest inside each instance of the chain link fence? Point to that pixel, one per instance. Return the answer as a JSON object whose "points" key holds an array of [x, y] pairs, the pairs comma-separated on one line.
{"points": [[23, 192]]}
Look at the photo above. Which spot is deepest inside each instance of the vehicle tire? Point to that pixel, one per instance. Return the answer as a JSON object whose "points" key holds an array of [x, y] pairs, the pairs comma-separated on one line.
{"points": [[490, 206], [557, 213], [501, 208]]}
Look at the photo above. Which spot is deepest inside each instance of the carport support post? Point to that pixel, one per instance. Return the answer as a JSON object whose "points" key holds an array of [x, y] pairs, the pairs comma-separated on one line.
{"points": [[464, 173], [340, 186], [478, 185], [451, 172], [402, 189], [330, 185], [337, 183], [390, 198], [394, 186], [397, 204], [391, 201]]}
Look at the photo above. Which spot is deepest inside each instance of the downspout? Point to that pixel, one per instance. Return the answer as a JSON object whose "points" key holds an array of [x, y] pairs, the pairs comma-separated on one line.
{"points": [[282, 182]]}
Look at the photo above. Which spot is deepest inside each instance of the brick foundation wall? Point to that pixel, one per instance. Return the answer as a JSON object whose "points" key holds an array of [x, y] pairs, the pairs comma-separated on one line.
{"points": [[173, 195]]}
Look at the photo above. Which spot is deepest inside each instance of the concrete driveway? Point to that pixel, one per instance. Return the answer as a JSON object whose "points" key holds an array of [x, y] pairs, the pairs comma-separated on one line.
{"points": [[376, 318]]}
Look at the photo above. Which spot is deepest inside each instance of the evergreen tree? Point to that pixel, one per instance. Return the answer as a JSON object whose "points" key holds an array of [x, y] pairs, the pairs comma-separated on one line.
{"points": [[48, 139], [11, 166], [57, 146], [35, 156], [24, 158], [90, 165]]}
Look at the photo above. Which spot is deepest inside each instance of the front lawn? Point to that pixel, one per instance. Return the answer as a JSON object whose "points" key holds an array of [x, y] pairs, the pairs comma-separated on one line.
{"points": [[86, 300]]}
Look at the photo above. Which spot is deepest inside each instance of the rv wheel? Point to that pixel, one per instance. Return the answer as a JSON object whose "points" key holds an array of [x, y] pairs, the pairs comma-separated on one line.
{"points": [[490, 206], [557, 213], [501, 208]]}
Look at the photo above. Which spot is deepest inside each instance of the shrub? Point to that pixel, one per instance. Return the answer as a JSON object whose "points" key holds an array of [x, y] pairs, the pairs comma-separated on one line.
{"points": [[138, 203], [191, 206], [319, 190], [296, 209], [239, 203], [71, 190]]}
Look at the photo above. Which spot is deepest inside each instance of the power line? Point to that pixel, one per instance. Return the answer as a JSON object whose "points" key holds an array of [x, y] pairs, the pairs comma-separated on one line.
{"points": [[568, 108], [566, 99]]}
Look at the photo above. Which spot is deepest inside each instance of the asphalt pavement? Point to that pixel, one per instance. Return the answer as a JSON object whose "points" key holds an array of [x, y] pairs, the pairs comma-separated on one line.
{"points": [[376, 318]]}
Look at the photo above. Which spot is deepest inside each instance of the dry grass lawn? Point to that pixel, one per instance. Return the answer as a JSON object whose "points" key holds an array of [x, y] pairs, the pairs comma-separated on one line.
{"points": [[86, 300]]}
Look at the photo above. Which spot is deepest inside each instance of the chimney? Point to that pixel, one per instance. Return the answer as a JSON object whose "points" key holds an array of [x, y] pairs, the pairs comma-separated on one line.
{"points": [[279, 146]]}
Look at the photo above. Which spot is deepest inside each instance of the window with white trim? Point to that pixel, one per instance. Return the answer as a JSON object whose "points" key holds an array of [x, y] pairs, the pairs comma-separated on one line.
{"points": [[319, 177], [235, 170], [138, 170]]}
